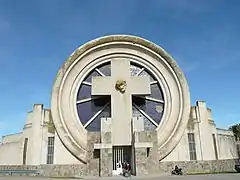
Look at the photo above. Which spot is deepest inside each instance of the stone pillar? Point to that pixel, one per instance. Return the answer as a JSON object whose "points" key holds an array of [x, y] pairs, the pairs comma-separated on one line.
{"points": [[106, 166], [141, 161], [141, 144], [137, 126], [34, 150], [106, 155], [106, 162]]}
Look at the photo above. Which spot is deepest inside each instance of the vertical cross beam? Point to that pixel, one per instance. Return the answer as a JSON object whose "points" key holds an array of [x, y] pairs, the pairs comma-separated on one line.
{"points": [[121, 86]]}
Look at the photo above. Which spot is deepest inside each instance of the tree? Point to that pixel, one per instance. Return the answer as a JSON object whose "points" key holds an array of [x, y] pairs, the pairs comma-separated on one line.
{"points": [[236, 131]]}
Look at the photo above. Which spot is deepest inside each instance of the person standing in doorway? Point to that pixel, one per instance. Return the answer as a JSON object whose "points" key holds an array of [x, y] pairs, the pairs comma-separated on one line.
{"points": [[129, 170], [124, 168]]}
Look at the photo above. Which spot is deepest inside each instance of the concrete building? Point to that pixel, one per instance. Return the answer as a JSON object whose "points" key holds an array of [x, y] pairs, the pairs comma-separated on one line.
{"points": [[119, 98]]}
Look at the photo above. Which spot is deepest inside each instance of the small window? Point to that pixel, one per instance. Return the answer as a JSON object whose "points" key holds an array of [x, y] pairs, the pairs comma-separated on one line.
{"points": [[25, 150], [148, 151], [192, 146], [215, 146], [50, 153], [96, 153], [238, 150]]}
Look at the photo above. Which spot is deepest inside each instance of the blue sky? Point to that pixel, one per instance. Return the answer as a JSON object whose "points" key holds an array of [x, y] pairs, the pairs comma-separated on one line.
{"points": [[37, 36]]}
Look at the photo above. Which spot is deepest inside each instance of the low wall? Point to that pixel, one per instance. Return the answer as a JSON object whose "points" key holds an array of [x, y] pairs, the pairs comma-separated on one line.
{"points": [[76, 170], [200, 166], [73, 170]]}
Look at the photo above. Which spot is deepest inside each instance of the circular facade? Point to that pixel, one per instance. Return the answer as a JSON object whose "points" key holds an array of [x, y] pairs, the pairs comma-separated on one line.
{"points": [[75, 111]]}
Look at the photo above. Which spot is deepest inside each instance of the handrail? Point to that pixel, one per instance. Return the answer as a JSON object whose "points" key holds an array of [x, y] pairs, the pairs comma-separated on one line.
{"points": [[16, 171]]}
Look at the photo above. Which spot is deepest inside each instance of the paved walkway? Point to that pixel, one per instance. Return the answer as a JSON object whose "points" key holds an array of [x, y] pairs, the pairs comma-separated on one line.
{"points": [[163, 177]]}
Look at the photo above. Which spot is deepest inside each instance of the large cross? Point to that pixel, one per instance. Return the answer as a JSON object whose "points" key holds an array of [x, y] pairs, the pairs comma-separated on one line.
{"points": [[121, 86]]}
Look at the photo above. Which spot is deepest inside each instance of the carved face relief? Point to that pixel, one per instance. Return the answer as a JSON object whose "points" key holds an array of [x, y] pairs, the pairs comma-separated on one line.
{"points": [[121, 86]]}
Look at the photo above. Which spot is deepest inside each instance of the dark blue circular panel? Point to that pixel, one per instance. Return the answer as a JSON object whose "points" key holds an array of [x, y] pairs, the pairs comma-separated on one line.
{"points": [[92, 108]]}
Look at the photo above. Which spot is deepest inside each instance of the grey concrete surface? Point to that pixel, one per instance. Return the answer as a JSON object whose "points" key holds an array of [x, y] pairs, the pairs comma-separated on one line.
{"points": [[165, 177]]}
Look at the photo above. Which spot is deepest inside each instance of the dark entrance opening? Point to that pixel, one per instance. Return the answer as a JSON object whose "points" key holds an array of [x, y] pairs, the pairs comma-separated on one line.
{"points": [[122, 154]]}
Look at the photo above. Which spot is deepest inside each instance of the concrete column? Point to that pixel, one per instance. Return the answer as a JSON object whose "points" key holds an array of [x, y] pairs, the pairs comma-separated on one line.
{"points": [[106, 165], [141, 144], [106, 162], [205, 132], [35, 136], [141, 161]]}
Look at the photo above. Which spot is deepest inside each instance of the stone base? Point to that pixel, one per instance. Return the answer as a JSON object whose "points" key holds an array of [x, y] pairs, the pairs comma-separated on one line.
{"points": [[141, 161], [191, 167], [100, 162], [74, 170], [146, 156], [71, 170], [106, 155], [106, 162], [93, 159]]}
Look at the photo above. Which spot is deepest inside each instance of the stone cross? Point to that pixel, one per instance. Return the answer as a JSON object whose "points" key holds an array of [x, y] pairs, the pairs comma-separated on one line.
{"points": [[121, 86]]}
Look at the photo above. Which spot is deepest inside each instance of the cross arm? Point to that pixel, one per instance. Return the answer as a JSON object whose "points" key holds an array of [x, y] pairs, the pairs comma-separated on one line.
{"points": [[140, 85], [101, 85]]}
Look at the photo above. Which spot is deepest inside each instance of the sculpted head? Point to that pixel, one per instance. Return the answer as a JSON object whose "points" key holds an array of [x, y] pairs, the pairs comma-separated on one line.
{"points": [[121, 86]]}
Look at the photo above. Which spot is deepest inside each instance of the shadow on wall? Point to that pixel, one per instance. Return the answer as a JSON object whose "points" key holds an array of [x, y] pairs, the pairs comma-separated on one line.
{"points": [[238, 149], [190, 125]]}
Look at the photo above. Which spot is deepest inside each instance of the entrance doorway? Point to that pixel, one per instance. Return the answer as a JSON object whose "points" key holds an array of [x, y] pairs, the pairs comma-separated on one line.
{"points": [[121, 154]]}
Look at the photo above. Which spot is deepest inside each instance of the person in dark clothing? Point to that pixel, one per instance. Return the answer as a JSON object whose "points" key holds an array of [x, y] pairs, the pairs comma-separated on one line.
{"points": [[124, 166], [176, 168], [177, 171], [129, 169]]}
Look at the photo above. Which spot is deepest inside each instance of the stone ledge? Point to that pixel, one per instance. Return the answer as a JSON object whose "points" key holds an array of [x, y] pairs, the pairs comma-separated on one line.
{"points": [[212, 166], [80, 170], [70, 170], [143, 144], [102, 146]]}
